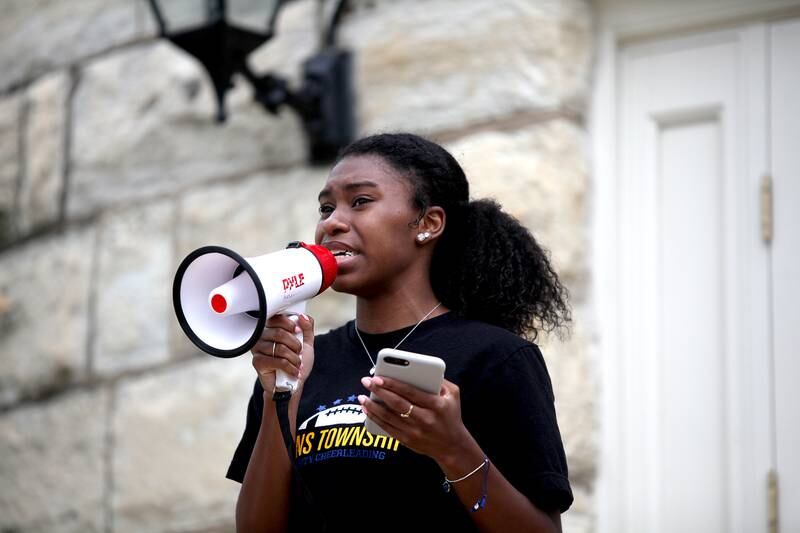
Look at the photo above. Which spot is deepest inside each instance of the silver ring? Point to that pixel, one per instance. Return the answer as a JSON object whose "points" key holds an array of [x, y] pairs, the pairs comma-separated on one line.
{"points": [[274, 345], [407, 413]]}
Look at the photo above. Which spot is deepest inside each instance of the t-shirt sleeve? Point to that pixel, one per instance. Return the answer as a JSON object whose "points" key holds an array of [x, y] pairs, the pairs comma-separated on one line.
{"points": [[519, 431], [241, 457]]}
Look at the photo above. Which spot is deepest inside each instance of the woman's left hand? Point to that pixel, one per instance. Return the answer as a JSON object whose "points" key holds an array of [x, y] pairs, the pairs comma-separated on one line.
{"points": [[433, 424]]}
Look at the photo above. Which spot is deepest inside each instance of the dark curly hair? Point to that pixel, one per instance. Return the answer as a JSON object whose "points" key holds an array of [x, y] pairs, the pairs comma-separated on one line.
{"points": [[486, 266]]}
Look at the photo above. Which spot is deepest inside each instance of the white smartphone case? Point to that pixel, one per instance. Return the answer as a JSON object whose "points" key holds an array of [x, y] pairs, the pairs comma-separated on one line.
{"points": [[425, 372]]}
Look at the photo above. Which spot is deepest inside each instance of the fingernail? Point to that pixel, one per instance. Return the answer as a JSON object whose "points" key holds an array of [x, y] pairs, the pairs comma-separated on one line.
{"points": [[297, 329], [304, 316], [378, 381], [362, 399], [366, 382]]}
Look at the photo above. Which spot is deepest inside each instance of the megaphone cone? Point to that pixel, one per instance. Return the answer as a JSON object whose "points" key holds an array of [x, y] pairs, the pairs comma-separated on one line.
{"points": [[222, 300], [236, 296], [220, 334]]}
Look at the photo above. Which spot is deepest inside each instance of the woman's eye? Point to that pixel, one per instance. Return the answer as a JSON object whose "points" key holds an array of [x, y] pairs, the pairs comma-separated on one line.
{"points": [[361, 200], [325, 210]]}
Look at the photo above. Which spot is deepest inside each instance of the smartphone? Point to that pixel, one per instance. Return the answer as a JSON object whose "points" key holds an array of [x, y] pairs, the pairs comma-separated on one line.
{"points": [[425, 372]]}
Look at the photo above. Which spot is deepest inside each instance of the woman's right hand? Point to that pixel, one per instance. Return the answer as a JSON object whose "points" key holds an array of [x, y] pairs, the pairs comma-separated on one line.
{"points": [[279, 349]]}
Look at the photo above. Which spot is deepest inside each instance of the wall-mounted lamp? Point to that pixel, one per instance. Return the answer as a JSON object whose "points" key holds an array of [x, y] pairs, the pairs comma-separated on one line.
{"points": [[221, 34]]}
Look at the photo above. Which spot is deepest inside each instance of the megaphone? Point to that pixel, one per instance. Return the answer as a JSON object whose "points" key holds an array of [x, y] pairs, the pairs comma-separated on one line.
{"points": [[223, 300]]}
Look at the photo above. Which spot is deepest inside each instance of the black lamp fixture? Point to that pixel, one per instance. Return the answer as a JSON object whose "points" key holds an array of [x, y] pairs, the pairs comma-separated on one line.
{"points": [[221, 34]]}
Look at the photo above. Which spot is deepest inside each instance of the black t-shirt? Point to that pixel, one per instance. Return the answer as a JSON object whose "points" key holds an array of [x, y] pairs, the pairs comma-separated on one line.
{"points": [[359, 481]]}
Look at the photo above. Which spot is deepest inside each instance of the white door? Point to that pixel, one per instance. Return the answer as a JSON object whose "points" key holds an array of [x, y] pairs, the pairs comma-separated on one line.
{"points": [[702, 405], [785, 156]]}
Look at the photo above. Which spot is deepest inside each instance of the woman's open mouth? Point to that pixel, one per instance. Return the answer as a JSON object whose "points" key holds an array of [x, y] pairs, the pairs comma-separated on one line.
{"points": [[343, 255]]}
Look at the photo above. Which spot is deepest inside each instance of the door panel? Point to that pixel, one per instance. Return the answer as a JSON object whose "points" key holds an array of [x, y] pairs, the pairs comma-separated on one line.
{"points": [[691, 361]]}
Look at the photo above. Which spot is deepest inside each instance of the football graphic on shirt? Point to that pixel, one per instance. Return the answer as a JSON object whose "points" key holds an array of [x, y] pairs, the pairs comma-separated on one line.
{"points": [[338, 415]]}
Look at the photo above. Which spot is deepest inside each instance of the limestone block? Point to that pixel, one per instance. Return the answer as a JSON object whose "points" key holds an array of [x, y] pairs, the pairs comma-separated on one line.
{"points": [[144, 126], [43, 179], [576, 392], [539, 175], [175, 433], [9, 163], [52, 463], [254, 215], [134, 288], [44, 286], [258, 215], [436, 65], [37, 36]]}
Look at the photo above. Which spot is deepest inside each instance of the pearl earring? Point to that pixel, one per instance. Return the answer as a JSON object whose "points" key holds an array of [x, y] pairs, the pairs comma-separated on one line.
{"points": [[422, 236]]}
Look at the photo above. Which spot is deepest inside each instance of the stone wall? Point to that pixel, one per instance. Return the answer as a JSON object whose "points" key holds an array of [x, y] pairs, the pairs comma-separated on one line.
{"points": [[112, 169]]}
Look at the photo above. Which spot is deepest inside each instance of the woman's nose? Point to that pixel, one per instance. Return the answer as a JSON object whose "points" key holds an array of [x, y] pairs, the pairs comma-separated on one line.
{"points": [[334, 224]]}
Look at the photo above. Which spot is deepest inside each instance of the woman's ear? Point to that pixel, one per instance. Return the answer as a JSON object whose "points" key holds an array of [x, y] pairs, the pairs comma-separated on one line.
{"points": [[432, 223]]}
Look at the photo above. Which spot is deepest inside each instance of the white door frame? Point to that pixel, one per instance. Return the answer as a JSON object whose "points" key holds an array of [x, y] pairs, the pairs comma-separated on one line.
{"points": [[621, 22]]}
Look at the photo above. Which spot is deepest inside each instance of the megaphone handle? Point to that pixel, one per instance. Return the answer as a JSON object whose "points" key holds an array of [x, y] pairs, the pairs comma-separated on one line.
{"points": [[284, 381]]}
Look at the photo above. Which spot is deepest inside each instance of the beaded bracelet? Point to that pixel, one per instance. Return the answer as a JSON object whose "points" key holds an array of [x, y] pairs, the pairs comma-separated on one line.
{"points": [[481, 502]]}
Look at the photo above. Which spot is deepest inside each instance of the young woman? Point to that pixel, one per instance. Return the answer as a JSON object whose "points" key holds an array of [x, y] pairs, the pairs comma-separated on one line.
{"points": [[432, 273]]}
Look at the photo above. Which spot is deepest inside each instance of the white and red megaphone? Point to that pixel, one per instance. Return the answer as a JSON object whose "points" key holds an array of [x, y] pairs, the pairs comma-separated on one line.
{"points": [[223, 300]]}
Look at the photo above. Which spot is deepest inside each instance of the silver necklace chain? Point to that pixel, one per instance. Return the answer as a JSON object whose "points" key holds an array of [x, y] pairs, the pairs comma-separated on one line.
{"points": [[371, 360]]}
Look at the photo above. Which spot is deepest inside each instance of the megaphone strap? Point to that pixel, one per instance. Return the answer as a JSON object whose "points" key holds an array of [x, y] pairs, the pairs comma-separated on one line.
{"points": [[281, 399]]}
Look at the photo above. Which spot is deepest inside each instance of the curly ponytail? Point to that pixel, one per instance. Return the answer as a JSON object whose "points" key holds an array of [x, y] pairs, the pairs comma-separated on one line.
{"points": [[486, 266]]}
